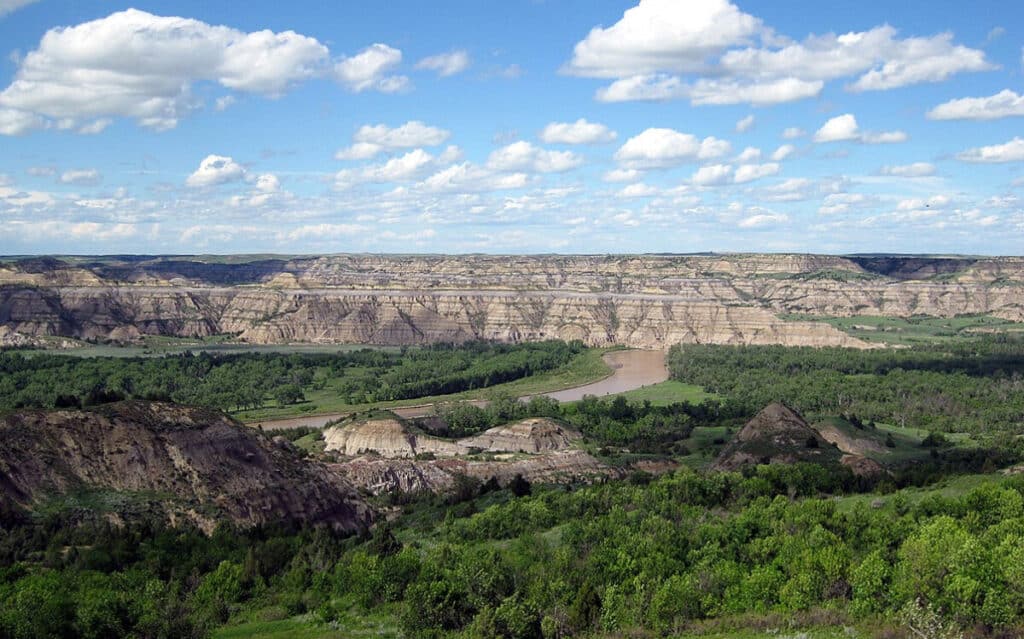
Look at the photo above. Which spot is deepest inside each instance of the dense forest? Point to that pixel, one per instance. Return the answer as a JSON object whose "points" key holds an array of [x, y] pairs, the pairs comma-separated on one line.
{"points": [[251, 380], [974, 385], [662, 555]]}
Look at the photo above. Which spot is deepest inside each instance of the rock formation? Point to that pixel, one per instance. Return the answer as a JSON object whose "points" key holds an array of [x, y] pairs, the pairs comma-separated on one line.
{"points": [[190, 463], [647, 301], [776, 435]]}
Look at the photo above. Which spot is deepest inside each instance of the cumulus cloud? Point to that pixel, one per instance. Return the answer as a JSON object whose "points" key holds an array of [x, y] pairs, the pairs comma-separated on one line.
{"points": [[214, 170], [138, 65], [82, 177], [467, 178], [659, 148], [749, 154], [783, 152], [660, 35], [915, 170], [522, 155], [1004, 104], [370, 70], [17, 122], [745, 124], [370, 140], [712, 175], [401, 168], [579, 132], [762, 219], [621, 175], [445, 64], [1012, 151], [639, 189], [711, 52], [793, 132], [751, 172], [844, 127]]}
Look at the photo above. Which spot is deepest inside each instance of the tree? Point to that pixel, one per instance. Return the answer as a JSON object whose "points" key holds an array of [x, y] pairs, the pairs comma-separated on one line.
{"points": [[289, 394]]}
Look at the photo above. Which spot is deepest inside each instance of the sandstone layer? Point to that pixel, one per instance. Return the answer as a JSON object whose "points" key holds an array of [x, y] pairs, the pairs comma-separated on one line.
{"points": [[649, 301]]}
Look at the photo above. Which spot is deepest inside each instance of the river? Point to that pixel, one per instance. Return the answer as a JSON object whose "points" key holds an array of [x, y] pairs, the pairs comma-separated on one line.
{"points": [[631, 369]]}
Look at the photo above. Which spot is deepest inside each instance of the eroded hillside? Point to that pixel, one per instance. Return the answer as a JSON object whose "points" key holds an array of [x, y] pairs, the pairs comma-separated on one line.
{"points": [[642, 301]]}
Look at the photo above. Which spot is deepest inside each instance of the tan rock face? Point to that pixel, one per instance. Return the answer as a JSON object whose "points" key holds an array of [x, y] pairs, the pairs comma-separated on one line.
{"points": [[192, 459], [391, 439], [641, 301]]}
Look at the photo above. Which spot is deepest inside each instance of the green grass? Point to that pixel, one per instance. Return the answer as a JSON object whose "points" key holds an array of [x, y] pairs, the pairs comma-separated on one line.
{"points": [[951, 487], [585, 368], [669, 392], [913, 330]]}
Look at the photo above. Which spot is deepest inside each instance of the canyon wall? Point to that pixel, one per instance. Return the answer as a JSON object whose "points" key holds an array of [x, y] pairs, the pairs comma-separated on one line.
{"points": [[648, 301]]}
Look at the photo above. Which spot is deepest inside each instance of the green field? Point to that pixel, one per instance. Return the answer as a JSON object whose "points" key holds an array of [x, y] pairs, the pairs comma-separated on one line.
{"points": [[585, 368], [669, 392], [914, 330]]}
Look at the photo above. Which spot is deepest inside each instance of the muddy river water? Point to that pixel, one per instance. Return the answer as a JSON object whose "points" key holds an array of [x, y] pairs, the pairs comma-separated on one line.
{"points": [[630, 370]]}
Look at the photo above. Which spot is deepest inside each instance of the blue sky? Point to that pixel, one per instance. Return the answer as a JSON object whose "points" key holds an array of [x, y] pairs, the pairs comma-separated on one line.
{"points": [[516, 127]]}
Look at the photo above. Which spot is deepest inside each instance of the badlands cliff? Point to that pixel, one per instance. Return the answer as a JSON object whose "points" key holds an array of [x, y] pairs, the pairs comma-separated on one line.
{"points": [[187, 463], [647, 301]]}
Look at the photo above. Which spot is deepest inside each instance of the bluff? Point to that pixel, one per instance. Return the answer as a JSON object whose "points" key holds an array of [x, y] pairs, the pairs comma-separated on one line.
{"points": [[647, 301], [185, 463]]}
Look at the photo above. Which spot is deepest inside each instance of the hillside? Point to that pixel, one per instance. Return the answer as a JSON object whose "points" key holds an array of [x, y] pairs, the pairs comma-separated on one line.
{"points": [[644, 301], [185, 463]]}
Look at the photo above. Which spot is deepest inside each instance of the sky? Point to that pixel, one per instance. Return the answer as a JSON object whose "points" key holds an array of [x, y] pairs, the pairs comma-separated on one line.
{"points": [[520, 126]]}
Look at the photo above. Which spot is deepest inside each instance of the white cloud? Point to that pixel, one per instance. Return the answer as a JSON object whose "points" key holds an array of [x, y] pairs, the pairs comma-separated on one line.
{"points": [[662, 35], [749, 154], [917, 169], [791, 190], [1004, 104], [522, 155], [783, 152], [638, 189], [10, 6], [837, 203], [370, 140], [445, 64], [17, 122], [912, 204], [369, 69], [137, 65], [578, 132], [844, 127], [95, 127], [41, 171], [762, 219], [751, 172], [80, 177], [761, 93], [737, 59], [468, 178], [1012, 151], [839, 128], [745, 124], [621, 175], [268, 183], [214, 170], [401, 168], [712, 175], [656, 148], [323, 231], [793, 132]]}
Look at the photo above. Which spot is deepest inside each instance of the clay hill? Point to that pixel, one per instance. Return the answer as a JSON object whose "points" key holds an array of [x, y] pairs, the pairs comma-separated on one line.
{"points": [[387, 455], [779, 435], [186, 463], [647, 301], [776, 435]]}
